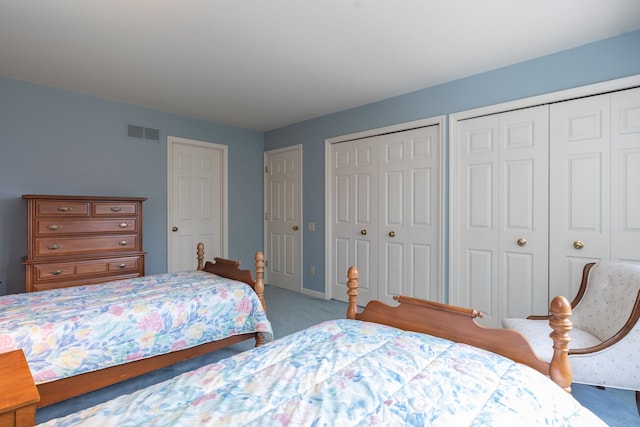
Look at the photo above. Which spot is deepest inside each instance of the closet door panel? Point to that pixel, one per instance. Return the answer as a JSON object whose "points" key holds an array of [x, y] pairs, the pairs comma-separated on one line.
{"points": [[503, 215], [478, 204], [625, 176], [409, 160], [580, 182], [524, 207], [355, 217]]}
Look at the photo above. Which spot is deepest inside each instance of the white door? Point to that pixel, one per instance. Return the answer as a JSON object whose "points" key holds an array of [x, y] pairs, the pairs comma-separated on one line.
{"points": [[409, 230], [499, 205], [197, 198], [283, 217], [386, 215], [625, 176], [354, 226], [580, 198], [595, 170]]}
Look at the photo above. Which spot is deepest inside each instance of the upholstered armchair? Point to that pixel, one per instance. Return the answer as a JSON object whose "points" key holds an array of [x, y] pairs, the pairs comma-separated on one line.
{"points": [[605, 340]]}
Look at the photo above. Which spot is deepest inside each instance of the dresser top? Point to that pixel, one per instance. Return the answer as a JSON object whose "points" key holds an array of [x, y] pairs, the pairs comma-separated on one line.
{"points": [[53, 196]]}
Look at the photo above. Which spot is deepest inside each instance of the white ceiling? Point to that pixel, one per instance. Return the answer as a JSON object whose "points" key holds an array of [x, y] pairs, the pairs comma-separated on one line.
{"points": [[263, 64]]}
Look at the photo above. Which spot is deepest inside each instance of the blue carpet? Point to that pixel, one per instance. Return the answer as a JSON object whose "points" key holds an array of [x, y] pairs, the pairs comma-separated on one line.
{"points": [[290, 312]]}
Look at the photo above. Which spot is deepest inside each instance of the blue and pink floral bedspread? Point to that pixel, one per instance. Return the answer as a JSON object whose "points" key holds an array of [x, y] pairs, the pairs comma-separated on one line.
{"points": [[65, 332], [348, 373]]}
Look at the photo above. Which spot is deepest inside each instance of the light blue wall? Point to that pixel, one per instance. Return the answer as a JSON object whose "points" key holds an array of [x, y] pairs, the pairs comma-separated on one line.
{"points": [[58, 142], [605, 60]]}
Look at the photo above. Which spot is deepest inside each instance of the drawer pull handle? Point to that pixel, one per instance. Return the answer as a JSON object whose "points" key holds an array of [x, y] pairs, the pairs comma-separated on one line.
{"points": [[57, 272], [53, 247], [64, 208], [123, 243], [123, 225], [122, 265], [54, 227], [116, 209]]}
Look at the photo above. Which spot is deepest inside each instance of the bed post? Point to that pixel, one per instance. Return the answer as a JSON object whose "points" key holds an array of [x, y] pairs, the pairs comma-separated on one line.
{"points": [[259, 286], [259, 290], [560, 368], [352, 291], [200, 255]]}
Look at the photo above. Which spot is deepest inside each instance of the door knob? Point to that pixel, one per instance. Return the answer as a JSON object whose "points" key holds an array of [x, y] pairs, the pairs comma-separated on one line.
{"points": [[392, 234], [578, 244], [295, 227], [174, 229], [521, 241], [363, 232]]}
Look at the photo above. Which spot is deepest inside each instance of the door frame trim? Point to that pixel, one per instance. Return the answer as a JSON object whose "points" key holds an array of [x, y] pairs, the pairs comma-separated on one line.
{"points": [[171, 141], [547, 98], [328, 201], [267, 255]]}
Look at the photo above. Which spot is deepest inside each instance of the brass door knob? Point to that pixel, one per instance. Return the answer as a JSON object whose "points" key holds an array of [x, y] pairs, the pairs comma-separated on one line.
{"points": [[521, 241], [392, 234], [295, 227], [578, 244], [174, 229], [363, 232]]}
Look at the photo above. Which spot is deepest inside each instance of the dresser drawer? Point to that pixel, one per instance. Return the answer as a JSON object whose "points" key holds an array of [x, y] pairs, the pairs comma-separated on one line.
{"points": [[61, 208], [78, 245], [55, 226], [64, 271], [114, 208]]}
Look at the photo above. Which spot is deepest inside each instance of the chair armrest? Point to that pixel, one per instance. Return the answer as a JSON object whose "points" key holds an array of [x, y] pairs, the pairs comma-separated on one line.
{"points": [[624, 331], [534, 317]]}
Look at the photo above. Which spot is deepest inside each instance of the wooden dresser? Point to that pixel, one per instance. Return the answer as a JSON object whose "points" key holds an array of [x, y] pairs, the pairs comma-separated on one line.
{"points": [[80, 240]]}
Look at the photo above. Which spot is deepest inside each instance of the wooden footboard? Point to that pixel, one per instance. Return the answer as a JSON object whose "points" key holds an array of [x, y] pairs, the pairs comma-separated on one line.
{"points": [[457, 324], [66, 388], [231, 270]]}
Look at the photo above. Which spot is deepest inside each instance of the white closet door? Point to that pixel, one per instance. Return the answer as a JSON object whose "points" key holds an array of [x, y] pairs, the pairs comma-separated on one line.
{"points": [[409, 227], [501, 248], [625, 176], [476, 206], [355, 216], [580, 183], [386, 218], [524, 212]]}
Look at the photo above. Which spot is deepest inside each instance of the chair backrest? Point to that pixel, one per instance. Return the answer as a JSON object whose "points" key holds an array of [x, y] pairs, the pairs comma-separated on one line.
{"points": [[612, 289]]}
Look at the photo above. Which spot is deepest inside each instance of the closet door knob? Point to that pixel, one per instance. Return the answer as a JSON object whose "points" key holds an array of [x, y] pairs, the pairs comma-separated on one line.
{"points": [[578, 244], [392, 234], [521, 241], [295, 227], [363, 232]]}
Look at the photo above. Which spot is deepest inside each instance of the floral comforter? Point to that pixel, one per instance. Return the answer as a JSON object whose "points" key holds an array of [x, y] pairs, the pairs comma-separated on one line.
{"points": [[64, 332], [349, 373]]}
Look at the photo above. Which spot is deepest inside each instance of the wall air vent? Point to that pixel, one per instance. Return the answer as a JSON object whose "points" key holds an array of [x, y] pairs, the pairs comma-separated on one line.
{"points": [[141, 132]]}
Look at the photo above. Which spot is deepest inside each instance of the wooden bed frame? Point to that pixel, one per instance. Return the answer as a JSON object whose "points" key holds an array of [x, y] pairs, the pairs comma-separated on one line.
{"points": [[65, 388], [457, 324]]}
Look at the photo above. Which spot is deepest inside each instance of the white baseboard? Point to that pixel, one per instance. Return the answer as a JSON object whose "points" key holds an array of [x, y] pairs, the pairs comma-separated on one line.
{"points": [[314, 294]]}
